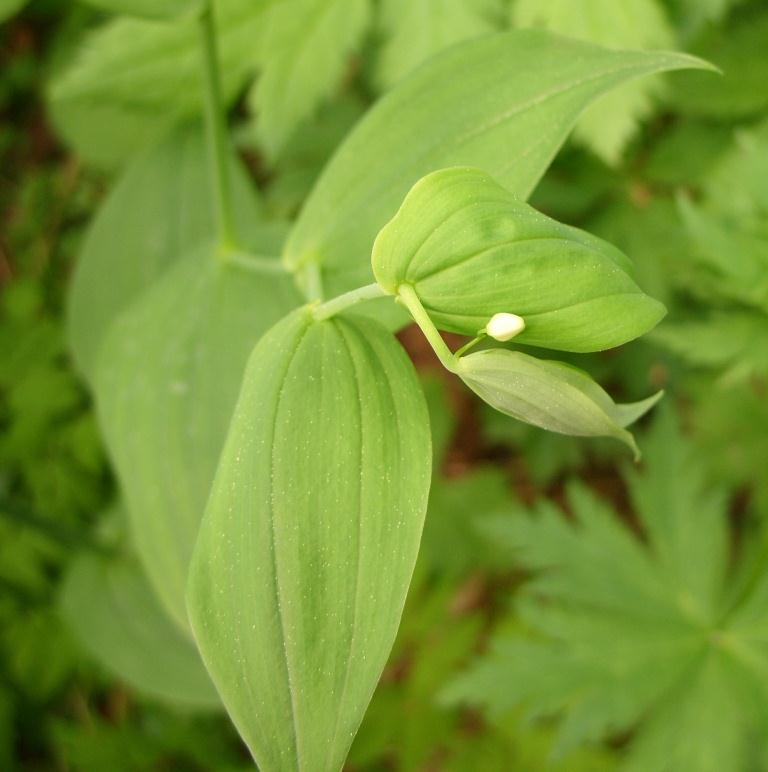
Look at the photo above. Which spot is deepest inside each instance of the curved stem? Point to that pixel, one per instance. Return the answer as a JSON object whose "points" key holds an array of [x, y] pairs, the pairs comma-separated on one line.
{"points": [[347, 300], [216, 126], [411, 301]]}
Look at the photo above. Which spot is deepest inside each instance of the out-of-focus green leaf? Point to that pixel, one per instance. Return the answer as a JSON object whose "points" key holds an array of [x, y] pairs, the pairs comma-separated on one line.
{"points": [[161, 208], [114, 613], [632, 24], [304, 47], [738, 49], [470, 249], [550, 395], [167, 380], [133, 79], [151, 9], [503, 103], [416, 30], [9, 7], [633, 635], [310, 536]]}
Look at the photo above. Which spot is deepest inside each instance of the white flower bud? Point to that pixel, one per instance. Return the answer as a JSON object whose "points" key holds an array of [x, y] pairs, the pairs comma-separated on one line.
{"points": [[504, 327]]}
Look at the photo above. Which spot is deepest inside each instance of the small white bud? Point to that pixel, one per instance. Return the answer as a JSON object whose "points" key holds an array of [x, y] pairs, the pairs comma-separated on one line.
{"points": [[504, 327]]}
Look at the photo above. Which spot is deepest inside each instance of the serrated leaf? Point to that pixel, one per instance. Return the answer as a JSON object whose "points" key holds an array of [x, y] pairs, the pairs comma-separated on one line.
{"points": [[114, 613], [631, 635], [418, 29], [167, 380], [150, 9], [632, 24], [133, 79], [470, 250], [550, 395], [322, 489], [160, 208], [304, 47], [502, 103]]}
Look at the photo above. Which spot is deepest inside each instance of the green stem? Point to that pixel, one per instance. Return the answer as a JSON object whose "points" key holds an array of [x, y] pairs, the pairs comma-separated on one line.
{"points": [[467, 346], [253, 263], [310, 281], [348, 299], [216, 126], [410, 300]]}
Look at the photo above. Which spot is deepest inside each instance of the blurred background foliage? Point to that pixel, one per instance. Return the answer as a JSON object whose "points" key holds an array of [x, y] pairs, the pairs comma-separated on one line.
{"points": [[568, 612]]}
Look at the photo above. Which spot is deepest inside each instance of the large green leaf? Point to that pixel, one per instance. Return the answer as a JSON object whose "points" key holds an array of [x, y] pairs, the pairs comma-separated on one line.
{"points": [[114, 612], [470, 249], [503, 103], [160, 209], [133, 78], [151, 9], [166, 383], [658, 639], [609, 125], [310, 536]]}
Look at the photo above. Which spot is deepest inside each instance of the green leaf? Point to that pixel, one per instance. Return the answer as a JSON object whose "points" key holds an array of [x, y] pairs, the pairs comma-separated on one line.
{"points": [[503, 103], [470, 250], [310, 536], [634, 636], [305, 45], [160, 208], [133, 79], [418, 29], [633, 24], [550, 395], [151, 9], [10, 7], [114, 613], [167, 380]]}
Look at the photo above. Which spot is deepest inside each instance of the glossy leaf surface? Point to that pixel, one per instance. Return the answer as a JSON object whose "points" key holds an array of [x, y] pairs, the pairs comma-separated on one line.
{"points": [[159, 210], [549, 394], [166, 384], [470, 250], [502, 103], [310, 536], [114, 612]]}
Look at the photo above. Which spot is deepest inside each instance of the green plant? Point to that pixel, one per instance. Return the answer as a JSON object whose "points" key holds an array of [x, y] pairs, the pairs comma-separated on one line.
{"points": [[316, 476]]}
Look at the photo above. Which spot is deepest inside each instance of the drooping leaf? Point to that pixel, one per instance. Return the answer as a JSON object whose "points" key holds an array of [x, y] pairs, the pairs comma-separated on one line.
{"points": [[114, 613], [470, 250], [133, 79], [167, 380], [150, 9], [550, 395], [632, 24], [305, 45], [310, 536], [635, 636], [161, 208], [418, 29], [503, 103]]}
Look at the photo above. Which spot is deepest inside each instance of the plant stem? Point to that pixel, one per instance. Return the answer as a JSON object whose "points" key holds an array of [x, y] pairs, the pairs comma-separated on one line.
{"points": [[253, 263], [216, 126], [310, 281], [347, 300], [410, 300], [467, 346]]}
